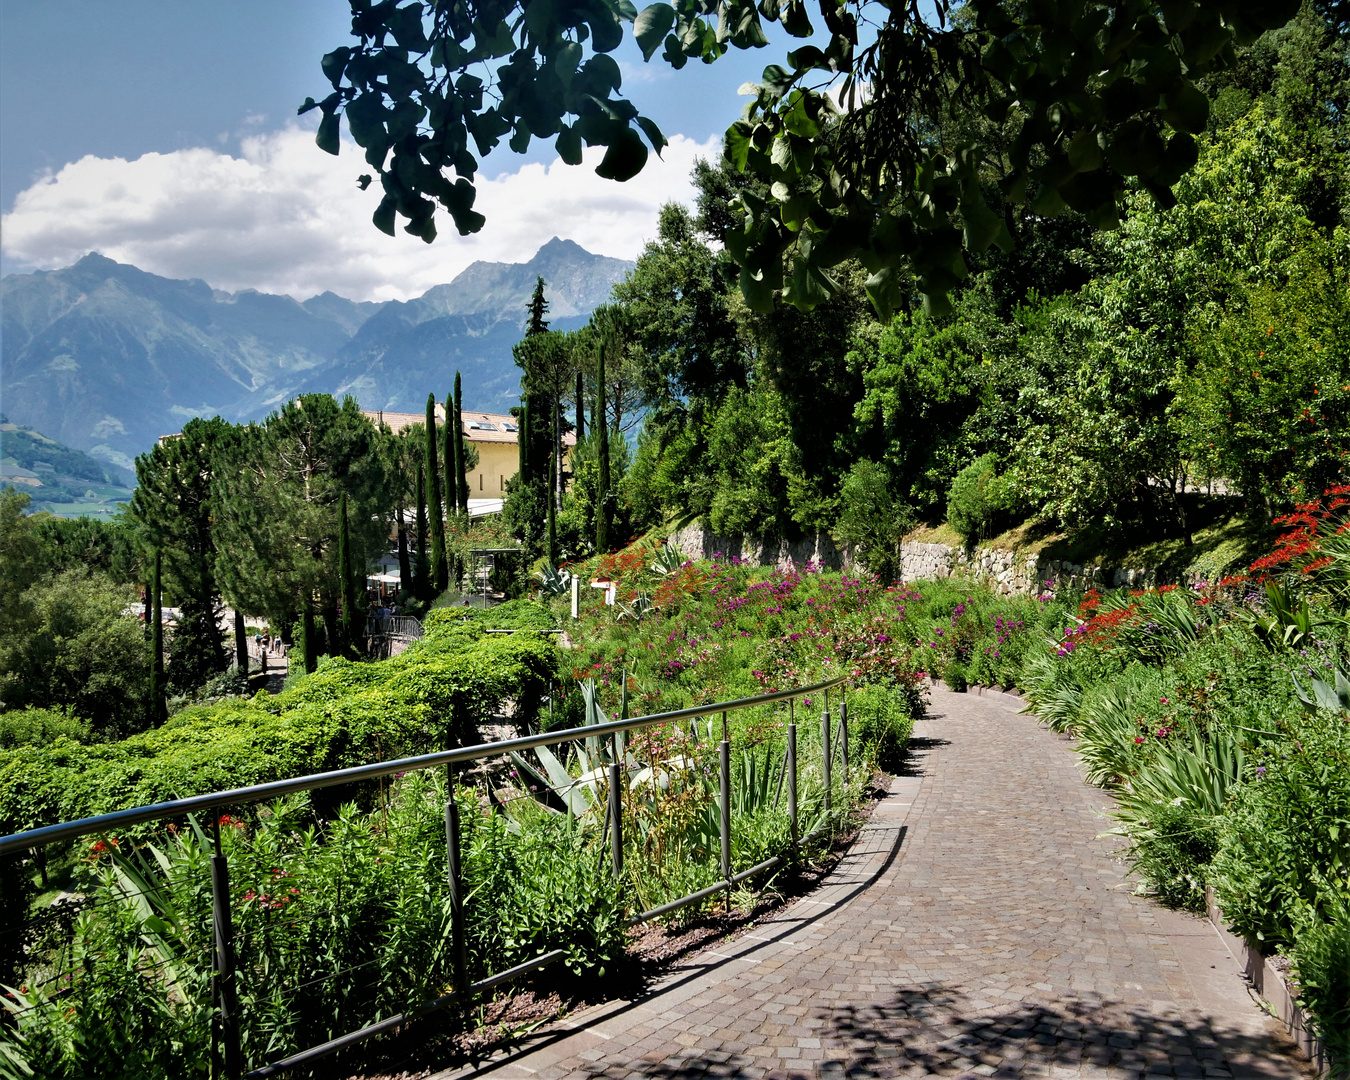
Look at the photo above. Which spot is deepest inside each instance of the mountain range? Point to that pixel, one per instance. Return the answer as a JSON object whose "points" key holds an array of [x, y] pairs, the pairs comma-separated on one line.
{"points": [[105, 357]]}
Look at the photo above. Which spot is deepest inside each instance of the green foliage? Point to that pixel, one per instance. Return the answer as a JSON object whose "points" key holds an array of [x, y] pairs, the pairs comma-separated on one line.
{"points": [[36, 727], [426, 698], [79, 648], [977, 500], [1285, 848], [276, 490], [1058, 121]]}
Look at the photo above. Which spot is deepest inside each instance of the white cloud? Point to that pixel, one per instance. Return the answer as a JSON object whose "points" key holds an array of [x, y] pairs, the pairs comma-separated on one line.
{"points": [[284, 217]]}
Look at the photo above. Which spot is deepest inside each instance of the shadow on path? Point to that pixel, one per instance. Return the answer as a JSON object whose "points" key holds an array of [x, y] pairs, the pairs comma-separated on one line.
{"points": [[938, 1031]]}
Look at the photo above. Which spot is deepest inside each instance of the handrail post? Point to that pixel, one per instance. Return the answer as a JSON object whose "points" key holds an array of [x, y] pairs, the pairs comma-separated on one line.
{"points": [[615, 820], [843, 734], [792, 780], [227, 1000], [455, 878], [825, 753], [724, 801]]}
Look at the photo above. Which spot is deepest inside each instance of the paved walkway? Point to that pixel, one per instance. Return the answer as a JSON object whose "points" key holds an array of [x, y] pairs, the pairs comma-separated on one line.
{"points": [[978, 926]]}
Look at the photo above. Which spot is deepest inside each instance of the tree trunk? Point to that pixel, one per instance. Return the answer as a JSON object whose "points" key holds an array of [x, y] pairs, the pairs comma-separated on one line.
{"points": [[309, 651], [240, 642]]}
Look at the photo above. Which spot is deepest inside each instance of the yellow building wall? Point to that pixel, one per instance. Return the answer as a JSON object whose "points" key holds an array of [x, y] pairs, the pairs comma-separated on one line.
{"points": [[497, 463]]}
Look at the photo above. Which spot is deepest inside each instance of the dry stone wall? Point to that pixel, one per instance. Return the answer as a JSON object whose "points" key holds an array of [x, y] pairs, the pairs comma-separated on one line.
{"points": [[699, 542], [1007, 572], [1016, 572]]}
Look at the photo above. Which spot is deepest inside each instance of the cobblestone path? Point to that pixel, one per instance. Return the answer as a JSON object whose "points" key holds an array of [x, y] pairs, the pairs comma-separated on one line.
{"points": [[977, 927]]}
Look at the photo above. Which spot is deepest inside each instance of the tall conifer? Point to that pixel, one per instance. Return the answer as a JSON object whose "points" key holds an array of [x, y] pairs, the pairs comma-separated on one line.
{"points": [[461, 481], [158, 709], [351, 600], [552, 498], [602, 429], [440, 576], [421, 576]]}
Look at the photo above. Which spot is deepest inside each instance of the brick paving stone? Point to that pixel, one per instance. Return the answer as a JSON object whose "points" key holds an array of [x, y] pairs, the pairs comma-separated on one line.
{"points": [[979, 926]]}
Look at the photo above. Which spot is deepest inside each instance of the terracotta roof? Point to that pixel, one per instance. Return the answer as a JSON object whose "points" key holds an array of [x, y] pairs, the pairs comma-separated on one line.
{"points": [[478, 426]]}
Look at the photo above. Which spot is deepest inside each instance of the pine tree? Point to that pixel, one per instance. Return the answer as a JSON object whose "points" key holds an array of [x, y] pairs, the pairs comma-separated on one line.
{"points": [[158, 709], [602, 429], [461, 456], [537, 308], [440, 577]]}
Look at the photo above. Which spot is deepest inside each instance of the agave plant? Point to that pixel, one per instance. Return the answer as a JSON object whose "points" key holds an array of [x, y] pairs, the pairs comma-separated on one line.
{"points": [[669, 558], [641, 604], [1323, 695], [552, 581]]}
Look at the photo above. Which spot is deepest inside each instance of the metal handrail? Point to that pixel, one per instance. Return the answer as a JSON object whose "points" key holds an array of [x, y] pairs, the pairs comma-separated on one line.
{"points": [[118, 819], [225, 991]]}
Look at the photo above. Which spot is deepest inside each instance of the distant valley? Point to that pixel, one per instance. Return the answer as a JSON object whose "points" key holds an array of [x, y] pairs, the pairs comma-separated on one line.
{"points": [[62, 481], [105, 358]]}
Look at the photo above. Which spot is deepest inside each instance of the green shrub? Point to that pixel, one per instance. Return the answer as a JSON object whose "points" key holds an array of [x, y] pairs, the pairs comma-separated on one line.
{"points": [[871, 521], [882, 717], [1171, 851], [1285, 848], [954, 675], [344, 714], [977, 500], [35, 727], [1321, 955]]}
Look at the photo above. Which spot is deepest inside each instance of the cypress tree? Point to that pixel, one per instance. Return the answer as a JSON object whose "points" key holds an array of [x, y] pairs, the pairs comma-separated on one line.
{"points": [[450, 455], [240, 642], [523, 441], [552, 497], [461, 481], [421, 577], [404, 565], [439, 573], [581, 407], [451, 465], [159, 711], [351, 625], [602, 493]]}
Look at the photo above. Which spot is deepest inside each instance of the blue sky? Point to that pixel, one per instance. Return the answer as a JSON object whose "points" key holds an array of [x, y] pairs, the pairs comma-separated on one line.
{"points": [[164, 133]]}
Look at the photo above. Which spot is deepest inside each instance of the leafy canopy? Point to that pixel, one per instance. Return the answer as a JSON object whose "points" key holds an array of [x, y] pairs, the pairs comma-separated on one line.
{"points": [[948, 122]]}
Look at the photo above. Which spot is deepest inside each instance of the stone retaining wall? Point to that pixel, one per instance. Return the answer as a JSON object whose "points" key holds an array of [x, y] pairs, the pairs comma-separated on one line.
{"points": [[1008, 572], [698, 542], [1014, 572]]}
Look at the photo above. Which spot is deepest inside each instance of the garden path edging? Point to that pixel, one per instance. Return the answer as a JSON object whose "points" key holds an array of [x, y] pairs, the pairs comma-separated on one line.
{"points": [[1271, 985]]}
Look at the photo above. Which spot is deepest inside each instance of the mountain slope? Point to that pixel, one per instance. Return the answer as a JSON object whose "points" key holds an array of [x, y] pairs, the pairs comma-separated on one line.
{"points": [[58, 479], [407, 350], [106, 357]]}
